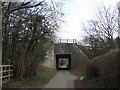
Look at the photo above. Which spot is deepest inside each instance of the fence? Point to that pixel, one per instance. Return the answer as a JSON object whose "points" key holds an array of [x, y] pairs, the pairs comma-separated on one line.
{"points": [[6, 71], [67, 41]]}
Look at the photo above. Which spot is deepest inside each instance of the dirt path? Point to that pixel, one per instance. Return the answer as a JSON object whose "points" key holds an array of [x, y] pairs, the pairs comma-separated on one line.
{"points": [[63, 79]]}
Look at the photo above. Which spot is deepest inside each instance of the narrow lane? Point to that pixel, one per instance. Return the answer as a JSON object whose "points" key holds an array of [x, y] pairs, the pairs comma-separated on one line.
{"points": [[63, 79]]}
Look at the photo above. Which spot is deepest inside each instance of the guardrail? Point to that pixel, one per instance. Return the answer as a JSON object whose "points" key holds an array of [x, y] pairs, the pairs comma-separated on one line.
{"points": [[6, 71]]}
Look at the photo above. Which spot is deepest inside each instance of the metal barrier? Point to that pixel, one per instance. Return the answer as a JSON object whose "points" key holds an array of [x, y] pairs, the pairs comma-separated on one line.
{"points": [[6, 71]]}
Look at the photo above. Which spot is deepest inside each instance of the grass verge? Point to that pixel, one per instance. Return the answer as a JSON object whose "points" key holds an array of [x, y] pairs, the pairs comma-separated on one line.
{"points": [[36, 81]]}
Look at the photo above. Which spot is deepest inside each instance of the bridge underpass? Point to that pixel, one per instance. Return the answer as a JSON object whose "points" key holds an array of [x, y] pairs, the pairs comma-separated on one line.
{"points": [[63, 61], [65, 54]]}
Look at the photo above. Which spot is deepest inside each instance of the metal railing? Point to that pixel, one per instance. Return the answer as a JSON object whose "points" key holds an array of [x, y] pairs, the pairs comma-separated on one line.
{"points": [[67, 41], [6, 71]]}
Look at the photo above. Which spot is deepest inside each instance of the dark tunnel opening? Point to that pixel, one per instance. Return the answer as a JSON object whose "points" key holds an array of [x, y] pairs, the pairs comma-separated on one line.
{"points": [[63, 61]]}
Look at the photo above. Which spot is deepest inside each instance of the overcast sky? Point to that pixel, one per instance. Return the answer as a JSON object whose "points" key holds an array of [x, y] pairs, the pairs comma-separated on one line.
{"points": [[76, 12]]}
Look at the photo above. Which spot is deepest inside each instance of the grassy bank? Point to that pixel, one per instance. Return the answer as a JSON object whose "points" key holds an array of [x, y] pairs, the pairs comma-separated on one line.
{"points": [[80, 61], [36, 81]]}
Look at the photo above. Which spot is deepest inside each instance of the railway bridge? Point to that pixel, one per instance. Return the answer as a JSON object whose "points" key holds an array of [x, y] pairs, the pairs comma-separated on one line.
{"points": [[65, 54]]}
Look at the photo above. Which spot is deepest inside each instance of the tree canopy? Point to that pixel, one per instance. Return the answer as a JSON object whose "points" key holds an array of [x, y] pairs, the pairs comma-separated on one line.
{"points": [[26, 26]]}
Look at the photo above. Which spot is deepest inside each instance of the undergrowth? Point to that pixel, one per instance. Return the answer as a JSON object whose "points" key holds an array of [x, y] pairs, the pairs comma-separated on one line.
{"points": [[43, 76]]}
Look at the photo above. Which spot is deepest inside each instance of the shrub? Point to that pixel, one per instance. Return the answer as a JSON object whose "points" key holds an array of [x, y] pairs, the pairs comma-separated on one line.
{"points": [[105, 69], [92, 71]]}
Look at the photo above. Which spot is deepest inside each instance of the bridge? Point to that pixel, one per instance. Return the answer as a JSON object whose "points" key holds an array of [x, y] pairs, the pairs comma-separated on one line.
{"points": [[65, 54]]}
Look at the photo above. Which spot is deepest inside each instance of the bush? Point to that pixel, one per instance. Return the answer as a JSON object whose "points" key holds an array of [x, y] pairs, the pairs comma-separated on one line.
{"points": [[92, 71], [105, 69]]}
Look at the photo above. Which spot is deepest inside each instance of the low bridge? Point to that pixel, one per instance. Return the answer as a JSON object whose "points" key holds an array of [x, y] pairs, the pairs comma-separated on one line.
{"points": [[65, 54]]}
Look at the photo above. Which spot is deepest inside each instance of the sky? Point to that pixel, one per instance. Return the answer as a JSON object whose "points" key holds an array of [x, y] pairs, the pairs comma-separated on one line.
{"points": [[76, 12]]}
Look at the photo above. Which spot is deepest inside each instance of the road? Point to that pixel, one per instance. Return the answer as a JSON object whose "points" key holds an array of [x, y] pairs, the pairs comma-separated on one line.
{"points": [[63, 79]]}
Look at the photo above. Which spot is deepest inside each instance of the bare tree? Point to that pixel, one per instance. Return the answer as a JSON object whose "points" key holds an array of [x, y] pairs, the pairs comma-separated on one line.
{"points": [[103, 26]]}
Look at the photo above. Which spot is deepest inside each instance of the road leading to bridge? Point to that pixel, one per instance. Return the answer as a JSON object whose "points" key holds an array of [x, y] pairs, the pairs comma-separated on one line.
{"points": [[63, 79]]}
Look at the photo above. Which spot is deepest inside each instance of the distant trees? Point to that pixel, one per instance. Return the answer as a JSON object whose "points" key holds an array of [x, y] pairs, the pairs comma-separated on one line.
{"points": [[26, 26], [100, 31]]}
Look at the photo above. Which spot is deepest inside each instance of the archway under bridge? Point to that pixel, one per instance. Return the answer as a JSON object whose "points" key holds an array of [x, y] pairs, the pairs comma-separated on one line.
{"points": [[63, 61]]}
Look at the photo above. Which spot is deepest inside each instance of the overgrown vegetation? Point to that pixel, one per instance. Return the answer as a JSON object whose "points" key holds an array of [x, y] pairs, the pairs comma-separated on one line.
{"points": [[103, 71], [27, 26], [94, 52], [43, 76], [102, 48]]}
